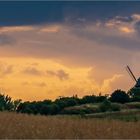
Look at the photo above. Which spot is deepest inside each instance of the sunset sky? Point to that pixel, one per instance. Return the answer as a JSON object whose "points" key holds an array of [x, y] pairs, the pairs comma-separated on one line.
{"points": [[52, 49]]}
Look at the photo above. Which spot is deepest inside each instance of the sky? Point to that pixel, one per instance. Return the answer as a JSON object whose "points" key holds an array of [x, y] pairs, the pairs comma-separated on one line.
{"points": [[53, 49]]}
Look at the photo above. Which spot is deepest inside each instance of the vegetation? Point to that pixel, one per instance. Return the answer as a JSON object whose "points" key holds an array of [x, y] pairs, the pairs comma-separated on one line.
{"points": [[23, 126], [134, 94], [73, 105], [6, 103], [82, 113], [124, 115], [119, 96]]}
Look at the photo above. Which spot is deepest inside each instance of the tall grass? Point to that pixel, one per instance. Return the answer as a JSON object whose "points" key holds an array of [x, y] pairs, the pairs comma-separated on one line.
{"points": [[24, 126]]}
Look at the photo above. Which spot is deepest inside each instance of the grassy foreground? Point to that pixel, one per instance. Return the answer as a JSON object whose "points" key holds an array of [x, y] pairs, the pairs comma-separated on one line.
{"points": [[14, 126]]}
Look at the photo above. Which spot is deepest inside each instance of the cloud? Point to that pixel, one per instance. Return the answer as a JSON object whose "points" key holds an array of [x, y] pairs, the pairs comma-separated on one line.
{"points": [[6, 40], [118, 36], [50, 29], [41, 84], [32, 71], [11, 29], [105, 80], [87, 45], [106, 86], [129, 24], [61, 74], [34, 64], [73, 45], [25, 83], [5, 69], [38, 84]]}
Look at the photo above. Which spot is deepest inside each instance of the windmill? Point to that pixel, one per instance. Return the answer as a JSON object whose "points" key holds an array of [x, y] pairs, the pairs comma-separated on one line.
{"points": [[137, 85]]}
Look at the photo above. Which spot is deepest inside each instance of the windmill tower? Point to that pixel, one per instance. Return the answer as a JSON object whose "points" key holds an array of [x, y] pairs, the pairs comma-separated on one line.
{"points": [[137, 85]]}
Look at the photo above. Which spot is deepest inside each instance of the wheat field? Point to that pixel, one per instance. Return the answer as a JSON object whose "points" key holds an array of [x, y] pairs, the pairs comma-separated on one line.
{"points": [[16, 126]]}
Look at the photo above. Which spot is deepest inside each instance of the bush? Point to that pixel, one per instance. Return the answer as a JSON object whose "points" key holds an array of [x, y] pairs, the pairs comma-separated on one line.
{"points": [[100, 99], [134, 94], [105, 106], [119, 96], [115, 107], [108, 106], [79, 110], [6, 103], [66, 102], [133, 105], [88, 99]]}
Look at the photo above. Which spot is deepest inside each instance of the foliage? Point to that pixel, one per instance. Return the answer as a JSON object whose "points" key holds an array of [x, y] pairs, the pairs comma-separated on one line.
{"points": [[105, 106], [92, 99], [115, 107], [22, 126], [133, 105], [66, 105], [134, 93], [6, 103], [119, 96], [88, 99], [80, 110], [108, 106]]}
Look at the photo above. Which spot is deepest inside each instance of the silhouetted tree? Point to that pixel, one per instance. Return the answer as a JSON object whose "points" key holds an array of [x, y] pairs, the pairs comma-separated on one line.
{"points": [[134, 94], [119, 96], [88, 99], [66, 101], [52, 109], [16, 103], [6, 103], [100, 98]]}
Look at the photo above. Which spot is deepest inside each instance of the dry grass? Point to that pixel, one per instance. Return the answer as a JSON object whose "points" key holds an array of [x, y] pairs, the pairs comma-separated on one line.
{"points": [[24, 126]]}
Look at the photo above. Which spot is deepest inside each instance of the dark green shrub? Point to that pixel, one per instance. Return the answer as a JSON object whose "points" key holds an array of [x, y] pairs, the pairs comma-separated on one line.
{"points": [[134, 94], [105, 106], [133, 105], [88, 99], [119, 96], [100, 98], [115, 107]]}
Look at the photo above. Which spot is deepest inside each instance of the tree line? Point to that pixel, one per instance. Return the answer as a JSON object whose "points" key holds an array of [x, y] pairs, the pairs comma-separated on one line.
{"points": [[48, 107]]}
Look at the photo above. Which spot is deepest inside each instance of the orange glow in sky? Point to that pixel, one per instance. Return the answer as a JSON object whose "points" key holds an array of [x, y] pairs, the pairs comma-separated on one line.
{"points": [[52, 59]]}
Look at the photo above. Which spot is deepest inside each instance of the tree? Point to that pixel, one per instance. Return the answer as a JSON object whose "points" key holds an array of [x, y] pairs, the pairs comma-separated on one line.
{"points": [[16, 103], [66, 101], [105, 106], [52, 109], [119, 96], [6, 103], [134, 94], [100, 98], [88, 99]]}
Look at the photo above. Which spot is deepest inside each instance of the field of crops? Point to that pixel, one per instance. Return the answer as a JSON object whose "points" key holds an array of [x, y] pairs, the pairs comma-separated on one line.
{"points": [[14, 125]]}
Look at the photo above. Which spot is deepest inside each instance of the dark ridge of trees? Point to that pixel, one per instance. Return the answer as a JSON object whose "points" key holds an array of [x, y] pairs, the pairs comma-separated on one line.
{"points": [[60, 105]]}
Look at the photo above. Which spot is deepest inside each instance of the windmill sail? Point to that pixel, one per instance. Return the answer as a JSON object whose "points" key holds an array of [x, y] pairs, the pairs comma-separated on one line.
{"points": [[131, 73]]}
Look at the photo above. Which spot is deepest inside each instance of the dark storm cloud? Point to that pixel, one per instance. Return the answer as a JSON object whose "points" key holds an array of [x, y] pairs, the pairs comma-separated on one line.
{"points": [[137, 27], [35, 12], [110, 39], [6, 40]]}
